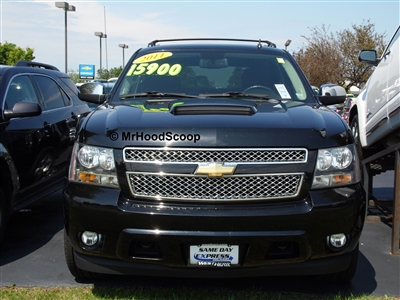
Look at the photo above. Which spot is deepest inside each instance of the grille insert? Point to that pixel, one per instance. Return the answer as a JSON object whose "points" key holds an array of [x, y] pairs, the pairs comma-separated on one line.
{"points": [[182, 155], [203, 188]]}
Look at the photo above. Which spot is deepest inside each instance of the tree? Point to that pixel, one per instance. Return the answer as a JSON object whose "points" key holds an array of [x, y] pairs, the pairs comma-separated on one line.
{"points": [[107, 74], [333, 58], [74, 76], [11, 53], [320, 58], [351, 43], [101, 74]]}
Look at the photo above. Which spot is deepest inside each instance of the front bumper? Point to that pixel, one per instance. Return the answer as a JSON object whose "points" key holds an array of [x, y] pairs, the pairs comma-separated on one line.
{"points": [[118, 267], [146, 238]]}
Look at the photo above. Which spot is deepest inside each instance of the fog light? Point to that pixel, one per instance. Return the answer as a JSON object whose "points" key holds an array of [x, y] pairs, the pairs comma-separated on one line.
{"points": [[90, 238], [337, 240]]}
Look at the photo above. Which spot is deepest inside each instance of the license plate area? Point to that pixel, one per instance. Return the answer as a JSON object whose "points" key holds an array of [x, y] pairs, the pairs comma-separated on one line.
{"points": [[214, 255]]}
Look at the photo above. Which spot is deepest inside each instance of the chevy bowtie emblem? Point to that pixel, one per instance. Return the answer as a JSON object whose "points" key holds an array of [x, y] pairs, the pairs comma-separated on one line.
{"points": [[215, 169]]}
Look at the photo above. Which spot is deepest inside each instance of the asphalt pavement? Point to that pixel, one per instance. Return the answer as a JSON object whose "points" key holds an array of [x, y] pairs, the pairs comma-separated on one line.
{"points": [[32, 255]]}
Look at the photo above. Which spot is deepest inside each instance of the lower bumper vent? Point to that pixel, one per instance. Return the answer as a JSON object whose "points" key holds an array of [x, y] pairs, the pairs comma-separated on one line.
{"points": [[283, 250], [145, 249]]}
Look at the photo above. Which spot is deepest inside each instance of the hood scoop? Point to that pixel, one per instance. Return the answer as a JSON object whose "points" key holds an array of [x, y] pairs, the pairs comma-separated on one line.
{"points": [[213, 109]]}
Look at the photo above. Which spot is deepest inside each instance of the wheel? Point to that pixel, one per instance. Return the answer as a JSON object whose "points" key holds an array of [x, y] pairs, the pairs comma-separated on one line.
{"points": [[260, 89], [346, 275], [70, 260], [43, 164], [354, 126]]}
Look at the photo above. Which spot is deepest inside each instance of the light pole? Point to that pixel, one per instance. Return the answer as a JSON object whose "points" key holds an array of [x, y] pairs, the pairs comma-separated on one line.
{"points": [[123, 46], [287, 43], [66, 7], [100, 35]]}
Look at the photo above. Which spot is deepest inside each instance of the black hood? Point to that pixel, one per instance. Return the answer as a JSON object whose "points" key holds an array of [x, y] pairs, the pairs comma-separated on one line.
{"points": [[220, 123]]}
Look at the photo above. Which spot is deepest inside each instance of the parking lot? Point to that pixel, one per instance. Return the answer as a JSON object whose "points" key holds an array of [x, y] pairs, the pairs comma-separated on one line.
{"points": [[32, 255]]}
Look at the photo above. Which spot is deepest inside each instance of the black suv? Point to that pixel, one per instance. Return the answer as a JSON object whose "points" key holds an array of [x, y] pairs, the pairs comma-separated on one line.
{"points": [[40, 110], [214, 159]]}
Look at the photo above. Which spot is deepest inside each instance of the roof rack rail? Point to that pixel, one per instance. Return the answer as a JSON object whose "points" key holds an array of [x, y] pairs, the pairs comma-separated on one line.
{"points": [[269, 44], [24, 63]]}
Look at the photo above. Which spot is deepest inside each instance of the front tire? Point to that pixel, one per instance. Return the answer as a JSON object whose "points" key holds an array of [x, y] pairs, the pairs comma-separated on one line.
{"points": [[345, 275], [355, 129]]}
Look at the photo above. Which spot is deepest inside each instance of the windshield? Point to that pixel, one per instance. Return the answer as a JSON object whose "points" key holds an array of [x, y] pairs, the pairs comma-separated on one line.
{"points": [[212, 73]]}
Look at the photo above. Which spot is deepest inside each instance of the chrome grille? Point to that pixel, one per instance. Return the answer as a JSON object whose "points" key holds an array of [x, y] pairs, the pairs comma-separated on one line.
{"points": [[182, 155], [204, 188]]}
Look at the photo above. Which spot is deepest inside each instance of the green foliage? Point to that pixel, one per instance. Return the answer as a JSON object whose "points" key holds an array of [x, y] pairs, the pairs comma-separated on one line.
{"points": [[74, 76], [101, 74], [11, 53], [107, 74], [162, 293]]}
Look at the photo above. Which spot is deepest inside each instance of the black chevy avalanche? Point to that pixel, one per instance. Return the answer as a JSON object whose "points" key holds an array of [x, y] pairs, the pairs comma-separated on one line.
{"points": [[214, 158]]}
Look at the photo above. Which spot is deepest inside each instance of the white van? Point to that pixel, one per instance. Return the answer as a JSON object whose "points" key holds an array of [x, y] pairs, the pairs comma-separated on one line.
{"points": [[375, 115]]}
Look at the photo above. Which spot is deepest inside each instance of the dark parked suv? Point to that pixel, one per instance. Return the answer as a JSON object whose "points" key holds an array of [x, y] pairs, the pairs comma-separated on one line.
{"points": [[214, 159], [40, 110]]}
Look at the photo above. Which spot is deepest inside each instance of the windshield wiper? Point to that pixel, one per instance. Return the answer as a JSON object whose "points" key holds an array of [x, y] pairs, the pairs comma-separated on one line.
{"points": [[155, 94], [239, 95]]}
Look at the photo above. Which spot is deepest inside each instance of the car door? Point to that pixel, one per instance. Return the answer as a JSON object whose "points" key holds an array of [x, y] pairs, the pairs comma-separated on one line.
{"points": [[393, 82], [25, 135], [376, 112], [60, 125]]}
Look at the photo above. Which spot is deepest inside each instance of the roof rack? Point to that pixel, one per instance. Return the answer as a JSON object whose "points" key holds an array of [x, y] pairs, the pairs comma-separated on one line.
{"points": [[269, 44], [24, 63]]}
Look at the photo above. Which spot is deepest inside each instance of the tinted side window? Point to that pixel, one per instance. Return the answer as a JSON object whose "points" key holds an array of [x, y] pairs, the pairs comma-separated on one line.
{"points": [[68, 81], [20, 90], [53, 96]]}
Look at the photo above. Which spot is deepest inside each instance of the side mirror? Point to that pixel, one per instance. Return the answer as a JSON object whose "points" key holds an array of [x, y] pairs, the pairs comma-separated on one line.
{"points": [[331, 94], [22, 110], [369, 57], [92, 88], [93, 92], [93, 98]]}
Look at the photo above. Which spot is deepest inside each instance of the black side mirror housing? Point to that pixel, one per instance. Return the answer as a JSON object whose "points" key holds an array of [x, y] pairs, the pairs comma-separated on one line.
{"points": [[93, 92], [22, 110]]}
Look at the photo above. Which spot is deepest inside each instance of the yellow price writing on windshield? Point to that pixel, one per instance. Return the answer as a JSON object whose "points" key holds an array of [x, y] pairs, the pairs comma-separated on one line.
{"points": [[154, 68]]}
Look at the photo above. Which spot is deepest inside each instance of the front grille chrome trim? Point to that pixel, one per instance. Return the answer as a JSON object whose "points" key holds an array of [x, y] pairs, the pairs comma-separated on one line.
{"points": [[202, 188], [167, 155]]}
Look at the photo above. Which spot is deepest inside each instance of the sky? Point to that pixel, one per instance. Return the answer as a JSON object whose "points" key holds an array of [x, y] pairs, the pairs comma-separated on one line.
{"points": [[41, 25]]}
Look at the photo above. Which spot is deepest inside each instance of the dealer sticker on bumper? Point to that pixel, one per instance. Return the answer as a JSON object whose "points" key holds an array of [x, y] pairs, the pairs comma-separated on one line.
{"points": [[214, 255]]}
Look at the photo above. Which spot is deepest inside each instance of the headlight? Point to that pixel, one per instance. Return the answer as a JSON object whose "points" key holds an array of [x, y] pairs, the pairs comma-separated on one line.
{"points": [[95, 165], [89, 157], [336, 167], [93, 157]]}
